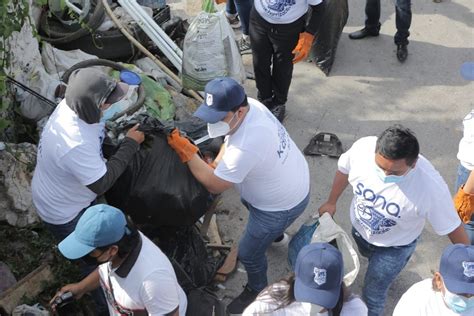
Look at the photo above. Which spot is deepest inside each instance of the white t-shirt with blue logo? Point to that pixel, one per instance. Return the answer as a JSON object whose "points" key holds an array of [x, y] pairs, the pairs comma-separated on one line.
{"points": [[394, 214], [283, 11], [264, 163]]}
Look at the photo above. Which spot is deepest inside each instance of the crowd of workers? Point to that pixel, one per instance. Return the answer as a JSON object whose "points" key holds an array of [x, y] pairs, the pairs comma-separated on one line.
{"points": [[395, 190]]}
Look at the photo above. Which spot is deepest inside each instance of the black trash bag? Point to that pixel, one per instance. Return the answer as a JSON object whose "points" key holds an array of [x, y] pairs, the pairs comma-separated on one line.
{"points": [[202, 302], [324, 47], [156, 187], [194, 264]]}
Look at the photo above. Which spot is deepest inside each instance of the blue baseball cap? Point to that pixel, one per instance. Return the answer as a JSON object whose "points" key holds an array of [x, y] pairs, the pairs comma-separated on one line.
{"points": [[99, 226], [457, 268], [221, 95], [319, 271]]}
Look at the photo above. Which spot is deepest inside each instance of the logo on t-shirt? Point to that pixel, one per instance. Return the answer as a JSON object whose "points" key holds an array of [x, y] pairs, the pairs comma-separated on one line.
{"points": [[284, 147], [277, 7], [370, 208], [468, 268], [319, 276]]}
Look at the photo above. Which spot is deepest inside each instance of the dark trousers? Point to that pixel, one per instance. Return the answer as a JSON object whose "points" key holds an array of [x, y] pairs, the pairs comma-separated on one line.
{"points": [[272, 46], [402, 18]]}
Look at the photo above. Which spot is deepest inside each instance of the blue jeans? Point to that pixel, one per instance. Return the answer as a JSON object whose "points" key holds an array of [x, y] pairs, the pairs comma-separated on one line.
{"points": [[62, 231], [242, 7], [385, 263], [402, 18], [461, 179], [261, 230]]}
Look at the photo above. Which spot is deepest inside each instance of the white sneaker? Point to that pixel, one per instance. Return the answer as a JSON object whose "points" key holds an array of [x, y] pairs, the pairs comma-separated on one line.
{"points": [[282, 243]]}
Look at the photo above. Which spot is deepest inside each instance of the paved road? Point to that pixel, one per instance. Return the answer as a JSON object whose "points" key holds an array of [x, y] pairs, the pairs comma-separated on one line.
{"points": [[368, 90]]}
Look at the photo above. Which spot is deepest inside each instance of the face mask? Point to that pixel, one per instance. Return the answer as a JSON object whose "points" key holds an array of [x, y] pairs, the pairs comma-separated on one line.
{"points": [[457, 303], [316, 309], [391, 178], [220, 128], [94, 260], [119, 106]]}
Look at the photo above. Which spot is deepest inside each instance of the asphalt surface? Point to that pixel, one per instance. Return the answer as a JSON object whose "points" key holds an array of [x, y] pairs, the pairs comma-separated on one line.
{"points": [[368, 90]]}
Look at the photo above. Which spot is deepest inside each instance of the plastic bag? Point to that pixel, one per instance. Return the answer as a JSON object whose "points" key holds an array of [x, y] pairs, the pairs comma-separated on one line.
{"points": [[326, 230], [210, 51], [156, 187], [324, 47]]}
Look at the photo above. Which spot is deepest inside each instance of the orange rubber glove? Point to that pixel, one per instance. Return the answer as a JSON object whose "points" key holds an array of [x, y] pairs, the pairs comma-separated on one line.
{"points": [[464, 204], [301, 50], [183, 147]]}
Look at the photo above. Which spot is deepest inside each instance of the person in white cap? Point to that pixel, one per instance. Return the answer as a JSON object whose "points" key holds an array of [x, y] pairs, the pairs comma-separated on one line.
{"points": [[316, 288], [137, 278], [449, 293]]}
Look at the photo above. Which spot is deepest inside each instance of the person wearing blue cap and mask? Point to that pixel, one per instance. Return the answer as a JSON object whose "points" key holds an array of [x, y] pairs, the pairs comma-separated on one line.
{"points": [[315, 289], [136, 277], [261, 161], [449, 293], [396, 190]]}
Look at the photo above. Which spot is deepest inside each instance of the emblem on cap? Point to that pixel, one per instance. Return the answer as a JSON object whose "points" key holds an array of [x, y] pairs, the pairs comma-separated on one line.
{"points": [[468, 268], [319, 276], [209, 99]]}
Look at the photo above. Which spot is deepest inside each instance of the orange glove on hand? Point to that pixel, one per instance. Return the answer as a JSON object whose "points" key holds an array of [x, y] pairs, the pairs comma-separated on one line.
{"points": [[182, 145], [301, 50], [464, 204]]}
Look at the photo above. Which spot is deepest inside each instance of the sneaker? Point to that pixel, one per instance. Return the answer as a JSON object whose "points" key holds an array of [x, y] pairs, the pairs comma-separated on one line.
{"points": [[244, 45], [281, 241], [233, 20], [240, 303]]}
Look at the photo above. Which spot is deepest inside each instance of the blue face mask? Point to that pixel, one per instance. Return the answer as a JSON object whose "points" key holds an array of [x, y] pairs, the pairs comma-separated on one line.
{"points": [[457, 303], [390, 178]]}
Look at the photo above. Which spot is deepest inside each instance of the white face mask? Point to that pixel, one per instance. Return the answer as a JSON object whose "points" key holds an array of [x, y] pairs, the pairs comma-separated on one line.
{"points": [[220, 128]]}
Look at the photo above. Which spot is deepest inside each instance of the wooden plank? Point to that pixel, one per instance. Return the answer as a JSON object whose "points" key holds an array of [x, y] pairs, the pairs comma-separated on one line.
{"points": [[30, 286], [229, 265]]}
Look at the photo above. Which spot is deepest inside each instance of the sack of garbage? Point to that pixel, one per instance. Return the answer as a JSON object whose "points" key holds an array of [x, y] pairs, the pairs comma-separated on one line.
{"points": [[156, 187], [194, 264], [325, 229], [210, 50], [324, 47]]}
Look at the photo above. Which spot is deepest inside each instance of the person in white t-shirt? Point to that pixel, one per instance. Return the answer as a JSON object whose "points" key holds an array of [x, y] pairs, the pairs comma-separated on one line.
{"points": [[449, 293], [395, 191], [315, 289], [137, 278], [261, 161], [280, 35], [70, 170]]}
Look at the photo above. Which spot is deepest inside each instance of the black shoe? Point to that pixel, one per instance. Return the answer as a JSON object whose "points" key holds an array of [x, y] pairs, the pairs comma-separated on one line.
{"points": [[279, 111], [240, 303], [365, 32], [402, 52]]}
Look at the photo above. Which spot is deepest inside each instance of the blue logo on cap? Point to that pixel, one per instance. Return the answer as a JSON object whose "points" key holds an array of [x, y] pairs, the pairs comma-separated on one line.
{"points": [[319, 276], [468, 268]]}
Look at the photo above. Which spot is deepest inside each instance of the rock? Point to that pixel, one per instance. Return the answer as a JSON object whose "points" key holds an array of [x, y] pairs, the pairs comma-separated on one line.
{"points": [[7, 277], [17, 162]]}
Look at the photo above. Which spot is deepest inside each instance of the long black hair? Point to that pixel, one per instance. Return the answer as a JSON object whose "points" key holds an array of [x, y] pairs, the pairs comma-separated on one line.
{"points": [[282, 293]]}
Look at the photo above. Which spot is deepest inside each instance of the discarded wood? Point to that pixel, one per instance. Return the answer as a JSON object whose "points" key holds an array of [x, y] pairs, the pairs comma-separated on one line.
{"points": [[213, 234], [228, 267], [218, 246], [30, 286], [208, 216]]}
